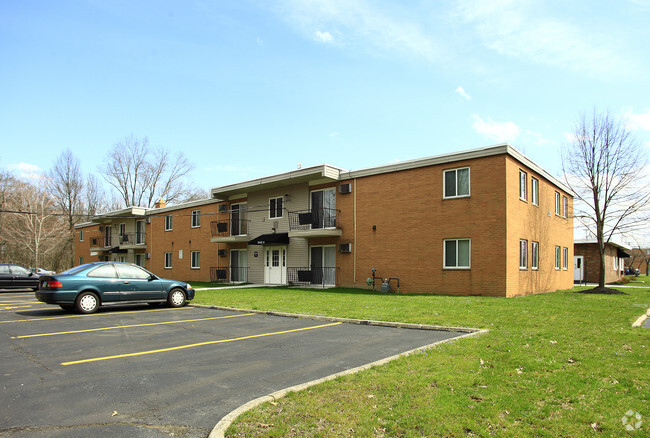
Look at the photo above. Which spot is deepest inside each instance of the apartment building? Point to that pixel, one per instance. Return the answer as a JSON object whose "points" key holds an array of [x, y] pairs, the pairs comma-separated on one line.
{"points": [[587, 261], [480, 222]]}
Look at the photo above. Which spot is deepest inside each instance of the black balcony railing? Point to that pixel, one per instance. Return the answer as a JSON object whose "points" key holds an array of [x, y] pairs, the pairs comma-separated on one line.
{"points": [[123, 239], [229, 227], [315, 218], [228, 274], [312, 276]]}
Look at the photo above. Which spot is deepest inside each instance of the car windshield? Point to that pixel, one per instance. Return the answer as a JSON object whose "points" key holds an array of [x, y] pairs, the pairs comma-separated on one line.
{"points": [[19, 270]]}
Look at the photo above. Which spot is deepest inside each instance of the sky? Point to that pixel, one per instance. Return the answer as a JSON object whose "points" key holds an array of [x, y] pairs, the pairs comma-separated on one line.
{"points": [[250, 88]]}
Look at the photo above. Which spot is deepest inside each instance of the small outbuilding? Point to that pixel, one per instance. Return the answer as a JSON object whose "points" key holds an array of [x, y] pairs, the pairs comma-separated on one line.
{"points": [[586, 261]]}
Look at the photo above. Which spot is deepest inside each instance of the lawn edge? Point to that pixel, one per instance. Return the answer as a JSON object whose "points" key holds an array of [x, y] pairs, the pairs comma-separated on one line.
{"points": [[222, 426]]}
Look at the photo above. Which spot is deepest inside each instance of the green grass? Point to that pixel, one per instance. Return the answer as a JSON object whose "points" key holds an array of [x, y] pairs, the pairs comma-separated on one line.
{"points": [[556, 364], [638, 281]]}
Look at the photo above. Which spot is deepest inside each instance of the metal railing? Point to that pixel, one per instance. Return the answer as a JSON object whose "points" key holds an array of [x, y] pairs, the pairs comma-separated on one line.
{"points": [[312, 276], [315, 218], [121, 239], [229, 227], [228, 274]]}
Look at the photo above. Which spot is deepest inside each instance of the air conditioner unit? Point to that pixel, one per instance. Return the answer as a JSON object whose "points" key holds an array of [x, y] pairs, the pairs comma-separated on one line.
{"points": [[148, 255], [101, 228], [223, 208], [148, 220], [345, 188], [222, 253], [345, 248]]}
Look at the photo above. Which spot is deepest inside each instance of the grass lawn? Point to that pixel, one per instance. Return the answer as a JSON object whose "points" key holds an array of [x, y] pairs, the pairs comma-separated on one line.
{"points": [[638, 280], [555, 364]]}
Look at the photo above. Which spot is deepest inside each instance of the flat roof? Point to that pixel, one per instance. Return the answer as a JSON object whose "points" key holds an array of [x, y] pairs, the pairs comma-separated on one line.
{"points": [[331, 173]]}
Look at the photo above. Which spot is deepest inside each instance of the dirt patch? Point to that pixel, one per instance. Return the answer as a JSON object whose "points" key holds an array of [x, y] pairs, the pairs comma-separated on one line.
{"points": [[602, 290]]}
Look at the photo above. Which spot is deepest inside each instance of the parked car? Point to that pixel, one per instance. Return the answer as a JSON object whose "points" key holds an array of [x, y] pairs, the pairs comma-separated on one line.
{"points": [[41, 271], [88, 286], [17, 277]]}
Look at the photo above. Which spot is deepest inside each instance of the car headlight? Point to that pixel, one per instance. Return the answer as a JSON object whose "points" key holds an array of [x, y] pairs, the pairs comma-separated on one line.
{"points": [[188, 286]]}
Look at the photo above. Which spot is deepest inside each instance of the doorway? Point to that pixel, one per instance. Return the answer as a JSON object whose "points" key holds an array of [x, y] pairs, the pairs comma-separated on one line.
{"points": [[275, 265]]}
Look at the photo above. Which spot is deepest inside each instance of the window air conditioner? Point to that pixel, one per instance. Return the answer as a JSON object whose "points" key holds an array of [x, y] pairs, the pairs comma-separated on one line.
{"points": [[345, 248], [222, 253], [148, 255], [345, 188], [223, 208]]}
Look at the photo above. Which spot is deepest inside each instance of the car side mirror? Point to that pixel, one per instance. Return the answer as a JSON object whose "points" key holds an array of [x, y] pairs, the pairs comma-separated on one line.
{"points": [[152, 277]]}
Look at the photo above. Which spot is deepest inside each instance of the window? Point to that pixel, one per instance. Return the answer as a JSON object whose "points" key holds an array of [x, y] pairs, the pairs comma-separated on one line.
{"points": [[457, 254], [196, 218], [132, 272], [558, 257], [103, 271], [196, 259], [523, 254], [534, 256], [523, 185], [534, 191], [238, 220], [565, 206], [557, 203], [81, 260], [107, 236], [456, 183], [168, 260], [275, 207], [168, 222], [81, 235], [323, 208], [565, 258]]}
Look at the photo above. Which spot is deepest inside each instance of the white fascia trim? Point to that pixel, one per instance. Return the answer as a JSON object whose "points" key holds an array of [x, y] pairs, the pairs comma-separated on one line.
{"points": [[190, 204]]}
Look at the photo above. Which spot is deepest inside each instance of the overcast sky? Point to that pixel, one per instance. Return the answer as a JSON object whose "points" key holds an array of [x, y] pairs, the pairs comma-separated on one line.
{"points": [[248, 88]]}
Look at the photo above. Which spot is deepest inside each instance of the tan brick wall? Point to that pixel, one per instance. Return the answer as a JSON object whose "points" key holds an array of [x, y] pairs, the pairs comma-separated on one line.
{"points": [[183, 238], [82, 248], [537, 224], [412, 221]]}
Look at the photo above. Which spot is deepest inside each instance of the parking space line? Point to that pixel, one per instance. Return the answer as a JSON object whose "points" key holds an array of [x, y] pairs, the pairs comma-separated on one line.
{"points": [[129, 326], [200, 344], [95, 315], [10, 307]]}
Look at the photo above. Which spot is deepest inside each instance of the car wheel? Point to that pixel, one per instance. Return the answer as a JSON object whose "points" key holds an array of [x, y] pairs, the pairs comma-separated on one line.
{"points": [[176, 298], [87, 302], [67, 307]]}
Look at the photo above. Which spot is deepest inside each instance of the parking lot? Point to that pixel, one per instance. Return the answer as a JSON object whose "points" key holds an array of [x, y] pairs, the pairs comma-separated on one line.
{"points": [[148, 372]]}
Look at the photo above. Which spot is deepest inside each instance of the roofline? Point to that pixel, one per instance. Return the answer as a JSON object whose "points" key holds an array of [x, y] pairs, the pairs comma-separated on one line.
{"points": [[197, 203], [595, 242], [337, 174]]}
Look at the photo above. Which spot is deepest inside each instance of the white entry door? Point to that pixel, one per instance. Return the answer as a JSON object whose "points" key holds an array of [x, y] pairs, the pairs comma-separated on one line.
{"points": [[275, 265], [578, 268]]}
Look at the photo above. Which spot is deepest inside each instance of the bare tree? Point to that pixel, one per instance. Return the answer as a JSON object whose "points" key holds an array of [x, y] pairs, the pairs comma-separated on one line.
{"points": [[142, 175], [66, 185], [33, 225], [605, 168], [94, 198]]}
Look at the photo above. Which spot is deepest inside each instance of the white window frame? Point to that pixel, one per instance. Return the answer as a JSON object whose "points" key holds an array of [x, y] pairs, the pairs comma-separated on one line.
{"points": [[558, 207], [456, 266], [534, 191], [168, 260], [273, 209], [169, 222], [534, 256], [195, 257], [565, 258], [196, 218], [565, 206], [81, 235], [444, 183], [523, 185], [558, 258], [523, 254]]}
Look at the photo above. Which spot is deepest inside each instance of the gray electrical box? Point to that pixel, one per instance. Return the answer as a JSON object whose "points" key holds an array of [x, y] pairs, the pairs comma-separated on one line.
{"points": [[385, 287]]}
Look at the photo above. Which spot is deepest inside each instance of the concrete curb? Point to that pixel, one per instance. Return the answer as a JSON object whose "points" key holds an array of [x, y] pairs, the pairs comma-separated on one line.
{"points": [[639, 322], [220, 428]]}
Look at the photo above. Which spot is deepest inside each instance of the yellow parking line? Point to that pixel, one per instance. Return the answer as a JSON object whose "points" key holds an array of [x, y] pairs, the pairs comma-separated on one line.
{"points": [[7, 308], [128, 326], [200, 344], [93, 315]]}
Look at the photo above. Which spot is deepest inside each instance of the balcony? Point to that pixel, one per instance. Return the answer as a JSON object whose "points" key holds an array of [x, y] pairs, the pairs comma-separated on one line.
{"points": [[229, 231], [119, 241], [317, 222], [312, 276]]}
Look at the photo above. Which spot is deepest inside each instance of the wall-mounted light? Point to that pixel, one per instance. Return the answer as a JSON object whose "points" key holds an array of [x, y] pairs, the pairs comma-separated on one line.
{"points": [[374, 228]]}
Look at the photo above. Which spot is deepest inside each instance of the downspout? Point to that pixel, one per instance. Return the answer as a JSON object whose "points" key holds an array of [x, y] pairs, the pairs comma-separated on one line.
{"points": [[354, 209]]}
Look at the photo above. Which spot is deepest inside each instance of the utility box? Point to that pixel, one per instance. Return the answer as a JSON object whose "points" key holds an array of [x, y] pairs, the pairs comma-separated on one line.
{"points": [[385, 286]]}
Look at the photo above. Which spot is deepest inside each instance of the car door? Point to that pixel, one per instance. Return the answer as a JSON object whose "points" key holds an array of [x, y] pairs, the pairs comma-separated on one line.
{"points": [[5, 277], [105, 280], [138, 284], [23, 278]]}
